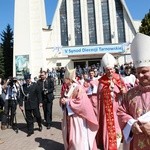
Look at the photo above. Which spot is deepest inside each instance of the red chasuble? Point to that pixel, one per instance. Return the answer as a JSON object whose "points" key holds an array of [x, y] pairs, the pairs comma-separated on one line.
{"points": [[108, 107]]}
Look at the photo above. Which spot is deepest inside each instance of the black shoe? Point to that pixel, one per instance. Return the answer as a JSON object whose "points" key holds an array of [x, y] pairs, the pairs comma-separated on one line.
{"points": [[40, 128], [48, 126], [30, 133], [3, 127]]}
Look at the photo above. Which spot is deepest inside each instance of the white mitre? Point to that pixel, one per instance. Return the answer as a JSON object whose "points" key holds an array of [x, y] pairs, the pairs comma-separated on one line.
{"points": [[70, 74], [140, 50], [108, 60]]}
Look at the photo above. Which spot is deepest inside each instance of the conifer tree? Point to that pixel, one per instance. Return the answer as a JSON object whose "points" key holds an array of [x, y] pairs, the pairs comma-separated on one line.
{"points": [[2, 72], [7, 46], [145, 24]]}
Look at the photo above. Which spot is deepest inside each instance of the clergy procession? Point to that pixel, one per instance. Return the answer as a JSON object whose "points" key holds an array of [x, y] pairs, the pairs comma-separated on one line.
{"points": [[109, 110]]}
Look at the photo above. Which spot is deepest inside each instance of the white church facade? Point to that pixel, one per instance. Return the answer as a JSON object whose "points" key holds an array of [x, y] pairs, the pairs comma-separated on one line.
{"points": [[82, 31]]}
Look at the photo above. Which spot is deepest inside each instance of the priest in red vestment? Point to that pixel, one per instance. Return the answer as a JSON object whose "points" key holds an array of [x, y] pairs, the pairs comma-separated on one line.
{"points": [[110, 92]]}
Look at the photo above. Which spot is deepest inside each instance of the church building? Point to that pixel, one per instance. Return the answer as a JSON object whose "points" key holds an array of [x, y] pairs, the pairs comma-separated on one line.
{"points": [[81, 32]]}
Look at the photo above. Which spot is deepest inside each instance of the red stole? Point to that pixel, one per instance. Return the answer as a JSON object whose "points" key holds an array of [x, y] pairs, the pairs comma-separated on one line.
{"points": [[108, 104]]}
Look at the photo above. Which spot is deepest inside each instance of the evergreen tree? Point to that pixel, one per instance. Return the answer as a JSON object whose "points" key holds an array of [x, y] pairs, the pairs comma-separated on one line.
{"points": [[7, 46], [2, 72], [145, 24]]}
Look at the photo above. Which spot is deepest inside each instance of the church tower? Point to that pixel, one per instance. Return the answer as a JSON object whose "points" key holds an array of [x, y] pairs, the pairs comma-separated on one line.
{"points": [[29, 25]]}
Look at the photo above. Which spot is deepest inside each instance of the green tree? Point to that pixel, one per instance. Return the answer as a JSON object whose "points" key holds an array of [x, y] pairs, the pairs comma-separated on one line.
{"points": [[145, 24], [7, 46], [2, 72]]}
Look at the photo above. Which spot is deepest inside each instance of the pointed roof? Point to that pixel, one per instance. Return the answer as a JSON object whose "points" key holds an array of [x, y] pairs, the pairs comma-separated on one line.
{"points": [[128, 13]]}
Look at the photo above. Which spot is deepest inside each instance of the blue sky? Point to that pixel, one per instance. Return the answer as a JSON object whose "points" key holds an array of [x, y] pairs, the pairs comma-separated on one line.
{"points": [[137, 9]]}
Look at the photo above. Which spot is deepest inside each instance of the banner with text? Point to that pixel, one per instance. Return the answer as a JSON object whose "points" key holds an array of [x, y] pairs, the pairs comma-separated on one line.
{"points": [[98, 49]]}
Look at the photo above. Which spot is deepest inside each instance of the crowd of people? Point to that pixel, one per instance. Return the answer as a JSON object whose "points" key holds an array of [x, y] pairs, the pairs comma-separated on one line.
{"points": [[102, 105], [102, 110], [30, 96]]}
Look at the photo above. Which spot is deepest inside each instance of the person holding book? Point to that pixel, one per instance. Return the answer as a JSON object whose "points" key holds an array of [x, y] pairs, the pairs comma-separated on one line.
{"points": [[79, 123], [134, 114]]}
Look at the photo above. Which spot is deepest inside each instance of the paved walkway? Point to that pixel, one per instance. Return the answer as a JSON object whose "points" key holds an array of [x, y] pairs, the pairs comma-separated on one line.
{"points": [[46, 140]]}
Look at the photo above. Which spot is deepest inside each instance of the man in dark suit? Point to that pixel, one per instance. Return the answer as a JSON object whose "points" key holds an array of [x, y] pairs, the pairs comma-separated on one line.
{"points": [[31, 95], [46, 87]]}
